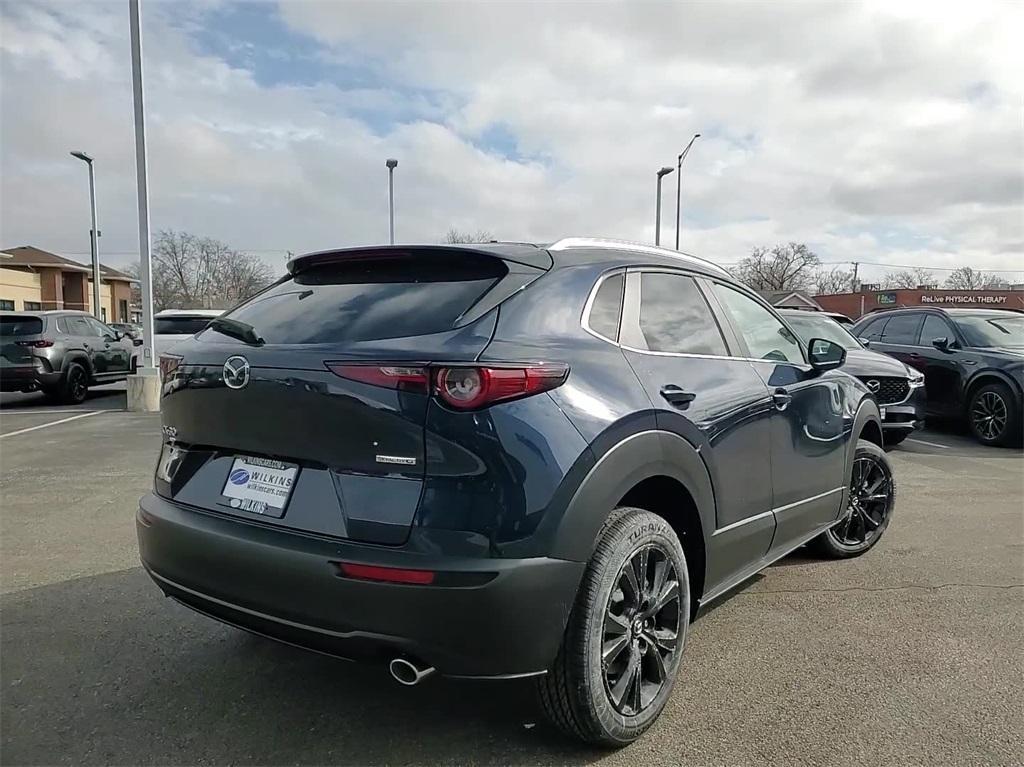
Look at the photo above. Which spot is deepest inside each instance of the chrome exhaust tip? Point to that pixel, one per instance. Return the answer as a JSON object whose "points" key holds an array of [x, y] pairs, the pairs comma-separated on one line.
{"points": [[407, 672]]}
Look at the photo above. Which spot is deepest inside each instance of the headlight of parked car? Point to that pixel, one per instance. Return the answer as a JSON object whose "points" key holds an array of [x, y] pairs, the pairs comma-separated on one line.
{"points": [[916, 379]]}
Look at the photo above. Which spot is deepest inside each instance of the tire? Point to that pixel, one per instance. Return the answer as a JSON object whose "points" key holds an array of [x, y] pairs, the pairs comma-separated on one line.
{"points": [[993, 415], [893, 438], [74, 385], [869, 507], [600, 701]]}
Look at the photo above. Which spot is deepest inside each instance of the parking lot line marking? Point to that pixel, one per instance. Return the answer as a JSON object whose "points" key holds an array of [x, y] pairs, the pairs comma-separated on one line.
{"points": [[930, 444], [51, 423], [30, 411]]}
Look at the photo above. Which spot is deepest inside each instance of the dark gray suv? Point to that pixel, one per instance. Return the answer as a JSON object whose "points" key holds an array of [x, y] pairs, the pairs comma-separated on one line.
{"points": [[504, 460], [61, 353]]}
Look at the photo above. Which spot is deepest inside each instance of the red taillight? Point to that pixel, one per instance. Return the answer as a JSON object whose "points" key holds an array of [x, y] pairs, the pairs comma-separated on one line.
{"points": [[406, 378], [463, 387], [42, 343], [386, 574], [470, 388], [168, 364]]}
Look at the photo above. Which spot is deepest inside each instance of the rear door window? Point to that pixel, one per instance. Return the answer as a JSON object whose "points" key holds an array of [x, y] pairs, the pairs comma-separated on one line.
{"points": [[20, 326], [675, 317], [77, 326], [374, 298], [901, 329], [873, 330]]}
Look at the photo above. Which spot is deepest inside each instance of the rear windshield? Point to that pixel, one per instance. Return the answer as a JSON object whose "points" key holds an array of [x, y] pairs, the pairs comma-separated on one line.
{"points": [[20, 326], [370, 299], [179, 326]]}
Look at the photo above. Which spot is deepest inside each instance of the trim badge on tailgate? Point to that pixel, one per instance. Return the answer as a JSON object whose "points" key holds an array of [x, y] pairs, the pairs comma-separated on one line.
{"points": [[399, 459]]}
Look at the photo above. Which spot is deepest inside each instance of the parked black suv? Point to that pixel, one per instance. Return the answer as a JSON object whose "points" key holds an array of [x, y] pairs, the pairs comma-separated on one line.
{"points": [[61, 353], [898, 389], [972, 361], [503, 461]]}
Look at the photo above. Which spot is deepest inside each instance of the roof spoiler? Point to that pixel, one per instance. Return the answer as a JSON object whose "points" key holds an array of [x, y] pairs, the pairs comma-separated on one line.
{"points": [[528, 255]]}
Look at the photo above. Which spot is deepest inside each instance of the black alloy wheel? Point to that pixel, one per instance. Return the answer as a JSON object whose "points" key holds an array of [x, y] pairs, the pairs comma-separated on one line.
{"points": [[641, 630], [871, 499], [989, 415], [76, 384]]}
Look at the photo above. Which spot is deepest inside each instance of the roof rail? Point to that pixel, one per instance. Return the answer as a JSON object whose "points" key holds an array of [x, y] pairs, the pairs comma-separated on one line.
{"points": [[568, 243]]}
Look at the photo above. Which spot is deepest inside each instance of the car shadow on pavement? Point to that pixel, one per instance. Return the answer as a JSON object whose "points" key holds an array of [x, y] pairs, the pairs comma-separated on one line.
{"points": [[133, 678], [103, 398]]}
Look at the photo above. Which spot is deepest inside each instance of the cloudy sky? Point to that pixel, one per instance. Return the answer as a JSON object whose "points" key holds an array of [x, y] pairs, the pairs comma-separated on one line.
{"points": [[887, 133]]}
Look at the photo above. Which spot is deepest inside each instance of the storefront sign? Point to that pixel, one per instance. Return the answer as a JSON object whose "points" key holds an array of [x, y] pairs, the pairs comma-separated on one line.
{"points": [[886, 298], [927, 299]]}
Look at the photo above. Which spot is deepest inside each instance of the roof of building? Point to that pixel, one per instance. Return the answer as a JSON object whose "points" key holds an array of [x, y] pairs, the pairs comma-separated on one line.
{"points": [[781, 297], [26, 255]]}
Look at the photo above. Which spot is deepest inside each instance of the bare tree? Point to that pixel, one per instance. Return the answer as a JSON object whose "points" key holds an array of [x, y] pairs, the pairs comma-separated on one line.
{"points": [[201, 272], [908, 278], [784, 267], [454, 236], [966, 278], [834, 280]]}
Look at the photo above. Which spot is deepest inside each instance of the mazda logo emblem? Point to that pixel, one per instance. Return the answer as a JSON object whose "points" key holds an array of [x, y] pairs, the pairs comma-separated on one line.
{"points": [[236, 372], [872, 384]]}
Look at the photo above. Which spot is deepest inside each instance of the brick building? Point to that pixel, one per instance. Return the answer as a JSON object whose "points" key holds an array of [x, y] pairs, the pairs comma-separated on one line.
{"points": [[869, 299], [32, 280]]}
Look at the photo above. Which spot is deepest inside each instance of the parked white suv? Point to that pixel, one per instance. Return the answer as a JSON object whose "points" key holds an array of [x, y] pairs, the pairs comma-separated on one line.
{"points": [[172, 326]]}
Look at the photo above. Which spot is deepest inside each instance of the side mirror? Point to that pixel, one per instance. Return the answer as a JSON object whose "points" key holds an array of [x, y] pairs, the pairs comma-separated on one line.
{"points": [[942, 344], [825, 355], [137, 341], [865, 342], [118, 335]]}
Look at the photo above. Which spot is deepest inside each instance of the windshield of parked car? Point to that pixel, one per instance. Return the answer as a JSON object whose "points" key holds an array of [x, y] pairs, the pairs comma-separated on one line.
{"points": [[821, 326], [179, 326], [991, 330], [20, 326]]}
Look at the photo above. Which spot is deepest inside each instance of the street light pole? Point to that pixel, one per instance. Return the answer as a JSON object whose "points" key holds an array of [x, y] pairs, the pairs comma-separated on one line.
{"points": [[657, 215], [679, 180], [142, 180], [392, 164], [93, 235]]}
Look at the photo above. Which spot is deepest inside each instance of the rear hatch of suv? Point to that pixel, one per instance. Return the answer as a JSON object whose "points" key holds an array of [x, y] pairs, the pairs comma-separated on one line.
{"points": [[306, 406], [18, 334]]}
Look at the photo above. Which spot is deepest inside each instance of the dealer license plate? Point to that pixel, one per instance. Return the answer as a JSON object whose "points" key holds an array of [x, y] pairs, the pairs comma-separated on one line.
{"points": [[259, 485]]}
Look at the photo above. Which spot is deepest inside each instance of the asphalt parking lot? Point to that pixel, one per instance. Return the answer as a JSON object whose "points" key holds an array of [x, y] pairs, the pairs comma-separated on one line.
{"points": [[912, 654]]}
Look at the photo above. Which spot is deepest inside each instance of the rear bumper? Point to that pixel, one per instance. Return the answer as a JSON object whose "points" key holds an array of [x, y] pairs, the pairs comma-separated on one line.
{"points": [[25, 378], [499, 618]]}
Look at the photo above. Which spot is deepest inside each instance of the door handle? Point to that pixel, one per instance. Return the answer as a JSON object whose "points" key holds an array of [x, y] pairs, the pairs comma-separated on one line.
{"points": [[915, 356], [674, 395], [781, 399]]}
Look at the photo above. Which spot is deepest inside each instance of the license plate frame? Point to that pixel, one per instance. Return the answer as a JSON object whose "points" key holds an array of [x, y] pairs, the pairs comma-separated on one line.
{"points": [[259, 485]]}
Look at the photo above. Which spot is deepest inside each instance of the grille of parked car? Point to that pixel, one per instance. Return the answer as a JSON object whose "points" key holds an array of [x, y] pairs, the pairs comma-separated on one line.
{"points": [[888, 391]]}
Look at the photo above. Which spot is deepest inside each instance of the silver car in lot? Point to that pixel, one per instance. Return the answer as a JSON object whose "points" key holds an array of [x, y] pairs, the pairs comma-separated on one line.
{"points": [[172, 326], [61, 353]]}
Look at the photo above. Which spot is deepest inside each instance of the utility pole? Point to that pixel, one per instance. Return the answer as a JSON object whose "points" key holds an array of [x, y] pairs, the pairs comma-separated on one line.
{"points": [[853, 280]]}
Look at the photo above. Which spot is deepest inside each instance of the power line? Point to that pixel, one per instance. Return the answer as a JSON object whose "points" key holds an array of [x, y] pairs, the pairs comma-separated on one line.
{"points": [[905, 266]]}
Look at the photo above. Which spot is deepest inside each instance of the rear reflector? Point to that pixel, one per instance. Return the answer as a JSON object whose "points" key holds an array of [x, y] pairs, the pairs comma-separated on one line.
{"points": [[385, 574], [401, 377], [468, 387]]}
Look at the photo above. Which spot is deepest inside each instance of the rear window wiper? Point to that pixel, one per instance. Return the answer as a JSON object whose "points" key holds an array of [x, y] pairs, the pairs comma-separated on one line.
{"points": [[243, 331]]}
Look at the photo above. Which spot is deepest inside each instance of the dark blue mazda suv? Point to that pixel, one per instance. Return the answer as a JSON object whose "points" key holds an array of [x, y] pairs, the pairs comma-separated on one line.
{"points": [[504, 460]]}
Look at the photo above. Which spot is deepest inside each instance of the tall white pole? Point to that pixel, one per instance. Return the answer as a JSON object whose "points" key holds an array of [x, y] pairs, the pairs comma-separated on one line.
{"points": [[142, 177], [94, 247], [392, 164]]}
